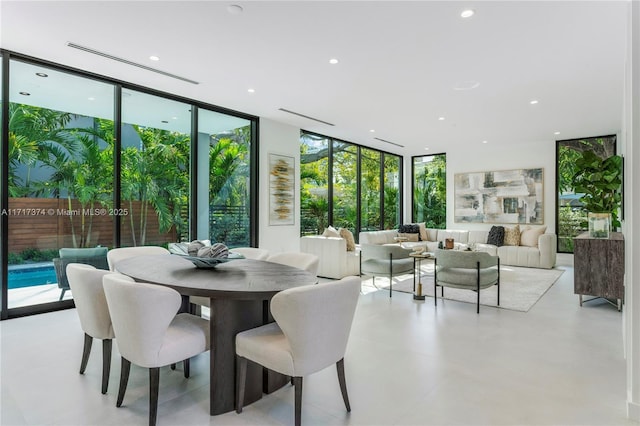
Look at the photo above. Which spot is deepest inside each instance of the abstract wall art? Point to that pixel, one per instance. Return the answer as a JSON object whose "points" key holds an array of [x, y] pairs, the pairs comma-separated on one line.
{"points": [[507, 196], [281, 189]]}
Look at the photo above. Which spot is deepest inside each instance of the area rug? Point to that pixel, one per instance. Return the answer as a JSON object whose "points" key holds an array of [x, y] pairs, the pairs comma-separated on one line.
{"points": [[520, 288]]}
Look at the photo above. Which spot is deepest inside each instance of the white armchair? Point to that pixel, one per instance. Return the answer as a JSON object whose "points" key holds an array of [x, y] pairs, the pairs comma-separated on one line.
{"points": [[310, 333], [334, 259], [150, 334]]}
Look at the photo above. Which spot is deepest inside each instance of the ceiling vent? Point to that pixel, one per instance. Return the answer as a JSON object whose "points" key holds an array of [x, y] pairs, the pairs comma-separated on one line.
{"points": [[392, 143], [306, 116], [125, 61]]}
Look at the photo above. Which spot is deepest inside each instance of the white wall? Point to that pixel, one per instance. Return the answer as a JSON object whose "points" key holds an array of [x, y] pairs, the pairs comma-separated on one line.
{"points": [[490, 158], [631, 227], [278, 138]]}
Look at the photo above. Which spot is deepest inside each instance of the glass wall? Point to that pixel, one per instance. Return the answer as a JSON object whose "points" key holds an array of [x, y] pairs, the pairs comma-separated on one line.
{"points": [[571, 216], [429, 177], [314, 184], [60, 183], [347, 186], [224, 148], [156, 138], [94, 162]]}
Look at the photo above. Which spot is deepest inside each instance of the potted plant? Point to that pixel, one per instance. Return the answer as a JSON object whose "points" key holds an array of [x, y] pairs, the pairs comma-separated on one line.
{"points": [[599, 180]]}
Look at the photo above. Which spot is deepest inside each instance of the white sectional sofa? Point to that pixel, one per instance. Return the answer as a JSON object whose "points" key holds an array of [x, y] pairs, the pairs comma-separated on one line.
{"points": [[335, 261], [542, 256]]}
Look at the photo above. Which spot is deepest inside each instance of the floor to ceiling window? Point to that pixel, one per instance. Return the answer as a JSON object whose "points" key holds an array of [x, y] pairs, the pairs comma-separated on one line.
{"points": [[571, 216], [60, 182], [95, 162], [156, 138], [224, 154], [429, 177], [347, 186]]}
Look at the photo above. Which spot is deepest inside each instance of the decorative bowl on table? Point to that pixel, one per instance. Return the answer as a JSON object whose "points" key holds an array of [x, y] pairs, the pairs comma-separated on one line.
{"points": [[211, 262]]}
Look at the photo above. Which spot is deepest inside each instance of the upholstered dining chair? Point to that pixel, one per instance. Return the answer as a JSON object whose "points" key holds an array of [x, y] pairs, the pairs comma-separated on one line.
{"points": [[85, 282], [252, 252], [310, 333], [385, 260], [469, 270], [117, 254], [150, 334], [307, 261]]}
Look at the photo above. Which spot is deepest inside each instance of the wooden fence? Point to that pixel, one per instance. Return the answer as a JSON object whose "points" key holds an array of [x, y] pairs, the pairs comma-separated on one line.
{"points": [[46, 223]]}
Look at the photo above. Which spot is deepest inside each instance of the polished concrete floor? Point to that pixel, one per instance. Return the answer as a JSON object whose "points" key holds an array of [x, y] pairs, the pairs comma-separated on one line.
{"points": [[407, 363]]}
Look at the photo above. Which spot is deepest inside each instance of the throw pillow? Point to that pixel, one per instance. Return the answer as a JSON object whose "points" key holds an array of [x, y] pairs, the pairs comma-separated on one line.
{"points": [[410, 237], [529, 236], [424, 236], [496, 236], [348, 237], [410, 228], [512, 236], [331, 232]]}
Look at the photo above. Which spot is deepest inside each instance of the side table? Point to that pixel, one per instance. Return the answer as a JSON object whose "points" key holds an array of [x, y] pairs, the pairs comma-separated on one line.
{"points": [[417, 264]]}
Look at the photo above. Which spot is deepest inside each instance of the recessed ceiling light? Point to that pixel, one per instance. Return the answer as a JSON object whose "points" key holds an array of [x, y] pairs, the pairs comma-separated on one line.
{"points": [[466, 85], [251, 90], [533, 102], [468, 13], [41, 74], [484, 141], [372, 130], [426, 149], [25, 93], [154, 58], [556, 133], [174, 118], [235, 9], [441, 118], [91, 98], [333, 61]]}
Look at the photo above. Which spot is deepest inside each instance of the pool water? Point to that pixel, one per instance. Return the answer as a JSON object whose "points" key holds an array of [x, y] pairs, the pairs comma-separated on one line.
{"points": [[32, 276]]}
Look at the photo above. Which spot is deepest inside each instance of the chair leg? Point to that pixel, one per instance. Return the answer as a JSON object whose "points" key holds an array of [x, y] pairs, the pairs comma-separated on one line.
{"points": [[124, 378], [297, 382], [86, 351], [187, 370], [390, 273], [241, 375], [62, 294], [478, 288], [173, 366], [343, 384], [154, 385], [106, 363]]}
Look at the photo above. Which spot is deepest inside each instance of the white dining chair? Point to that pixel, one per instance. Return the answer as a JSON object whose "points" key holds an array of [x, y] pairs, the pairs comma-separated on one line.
{"points": [[118, 254], [307, 261], [85, 282], [310, 333], [150, 334], [252, 252]]}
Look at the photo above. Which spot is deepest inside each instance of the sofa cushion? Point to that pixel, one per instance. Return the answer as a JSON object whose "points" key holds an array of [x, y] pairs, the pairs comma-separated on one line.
{"points": [[424, 236], [529, 236], [496, 236], [512, 236], [348, 236], [410, 228], [414, 238], [331, 232]]}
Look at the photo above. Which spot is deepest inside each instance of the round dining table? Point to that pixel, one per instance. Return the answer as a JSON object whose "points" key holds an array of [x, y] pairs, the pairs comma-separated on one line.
{"points": [[239, 291]]}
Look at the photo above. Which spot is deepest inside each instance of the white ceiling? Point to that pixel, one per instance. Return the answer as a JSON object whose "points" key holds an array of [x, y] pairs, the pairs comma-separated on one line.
{"points": [[399, 62]]}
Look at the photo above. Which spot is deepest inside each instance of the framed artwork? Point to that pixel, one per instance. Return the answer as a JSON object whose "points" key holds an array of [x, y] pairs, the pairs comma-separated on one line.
{"points": [[507, 196], [281, 189]]}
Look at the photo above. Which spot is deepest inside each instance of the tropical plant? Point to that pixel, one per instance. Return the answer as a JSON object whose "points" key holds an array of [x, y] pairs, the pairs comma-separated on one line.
{"points": [[37, 136], [430, 192], [600, 181]]}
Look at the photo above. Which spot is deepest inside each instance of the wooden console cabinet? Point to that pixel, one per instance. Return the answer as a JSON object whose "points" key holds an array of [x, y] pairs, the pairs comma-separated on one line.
{"points": [[598, 266]]}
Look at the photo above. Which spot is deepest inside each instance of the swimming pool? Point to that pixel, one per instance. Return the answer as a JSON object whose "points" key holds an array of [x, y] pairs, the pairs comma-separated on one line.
{"points": [[28, 276]]}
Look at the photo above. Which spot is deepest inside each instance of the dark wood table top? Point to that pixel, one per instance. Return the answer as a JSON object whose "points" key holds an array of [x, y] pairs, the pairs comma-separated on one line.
{"points": [[236, 279]]}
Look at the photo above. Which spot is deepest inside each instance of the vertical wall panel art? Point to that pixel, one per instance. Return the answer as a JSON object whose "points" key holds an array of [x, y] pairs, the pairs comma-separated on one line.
{"points": [[281, 189]]}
